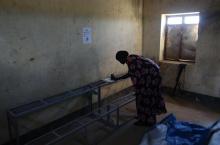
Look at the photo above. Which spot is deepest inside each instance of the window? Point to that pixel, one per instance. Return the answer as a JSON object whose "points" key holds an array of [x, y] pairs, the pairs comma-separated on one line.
{"points": [[181, 35]]}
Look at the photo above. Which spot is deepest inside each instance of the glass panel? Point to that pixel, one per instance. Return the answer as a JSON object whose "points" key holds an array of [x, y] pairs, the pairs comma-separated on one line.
{"points": [[191, 19], [174, 20], [173, 42], [189, 40]]}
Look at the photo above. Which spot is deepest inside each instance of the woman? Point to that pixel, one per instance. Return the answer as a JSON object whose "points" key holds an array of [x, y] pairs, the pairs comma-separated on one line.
{"points": [[145, 76]]}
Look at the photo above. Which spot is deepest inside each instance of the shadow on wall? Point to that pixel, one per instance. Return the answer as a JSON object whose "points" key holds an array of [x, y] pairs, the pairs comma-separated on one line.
{"points": [[8, 83], [205, 72], [87, 65], [208, 49]]}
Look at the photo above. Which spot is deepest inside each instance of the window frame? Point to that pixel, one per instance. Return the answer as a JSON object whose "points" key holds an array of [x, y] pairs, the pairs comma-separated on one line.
{"points": [[166, 36]]}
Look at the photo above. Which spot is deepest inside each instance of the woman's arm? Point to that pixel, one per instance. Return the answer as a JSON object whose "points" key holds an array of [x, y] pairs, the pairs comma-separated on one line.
{"points": [[119, 78]]}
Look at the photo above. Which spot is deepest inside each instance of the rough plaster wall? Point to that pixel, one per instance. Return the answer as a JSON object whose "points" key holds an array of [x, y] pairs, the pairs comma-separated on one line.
{"points": [[202, 77], [42, 52]]}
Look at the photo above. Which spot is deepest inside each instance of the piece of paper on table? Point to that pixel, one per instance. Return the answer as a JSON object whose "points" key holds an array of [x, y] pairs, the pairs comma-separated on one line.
{"points": [[109, 80]]}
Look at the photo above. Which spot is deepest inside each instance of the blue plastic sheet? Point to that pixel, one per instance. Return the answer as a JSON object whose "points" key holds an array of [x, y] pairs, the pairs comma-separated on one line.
{"points": [[172, 132], [183, 133]]}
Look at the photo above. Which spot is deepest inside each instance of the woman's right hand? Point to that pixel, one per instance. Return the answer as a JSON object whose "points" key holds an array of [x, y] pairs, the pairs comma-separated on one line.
{"points": [[113, 77]]}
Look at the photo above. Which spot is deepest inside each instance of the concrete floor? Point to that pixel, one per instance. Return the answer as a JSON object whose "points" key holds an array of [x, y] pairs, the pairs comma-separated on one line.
{"points": [[129, 134]]}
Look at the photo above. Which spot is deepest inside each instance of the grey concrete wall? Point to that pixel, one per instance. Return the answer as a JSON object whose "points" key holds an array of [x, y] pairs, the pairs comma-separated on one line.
{"points": [[42, 53], [202, 77]]}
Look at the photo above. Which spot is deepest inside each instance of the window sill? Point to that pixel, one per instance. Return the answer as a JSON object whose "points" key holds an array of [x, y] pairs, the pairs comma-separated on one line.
{"points": [[176, 62]]}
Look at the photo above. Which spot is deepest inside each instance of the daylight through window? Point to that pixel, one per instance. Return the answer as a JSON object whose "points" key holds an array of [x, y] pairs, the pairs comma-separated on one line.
{"points": [[181, 35]]}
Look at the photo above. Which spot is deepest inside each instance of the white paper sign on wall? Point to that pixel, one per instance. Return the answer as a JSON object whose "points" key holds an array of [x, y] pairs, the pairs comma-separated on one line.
{"points": [[87, 35]]}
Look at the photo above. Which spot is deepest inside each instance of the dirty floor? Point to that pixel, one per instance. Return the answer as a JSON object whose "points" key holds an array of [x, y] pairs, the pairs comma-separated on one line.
{"points": [[128, 134]]}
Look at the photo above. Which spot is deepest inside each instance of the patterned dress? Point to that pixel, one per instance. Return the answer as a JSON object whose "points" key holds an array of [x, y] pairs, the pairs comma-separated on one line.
{"points": [[145, 76]]}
